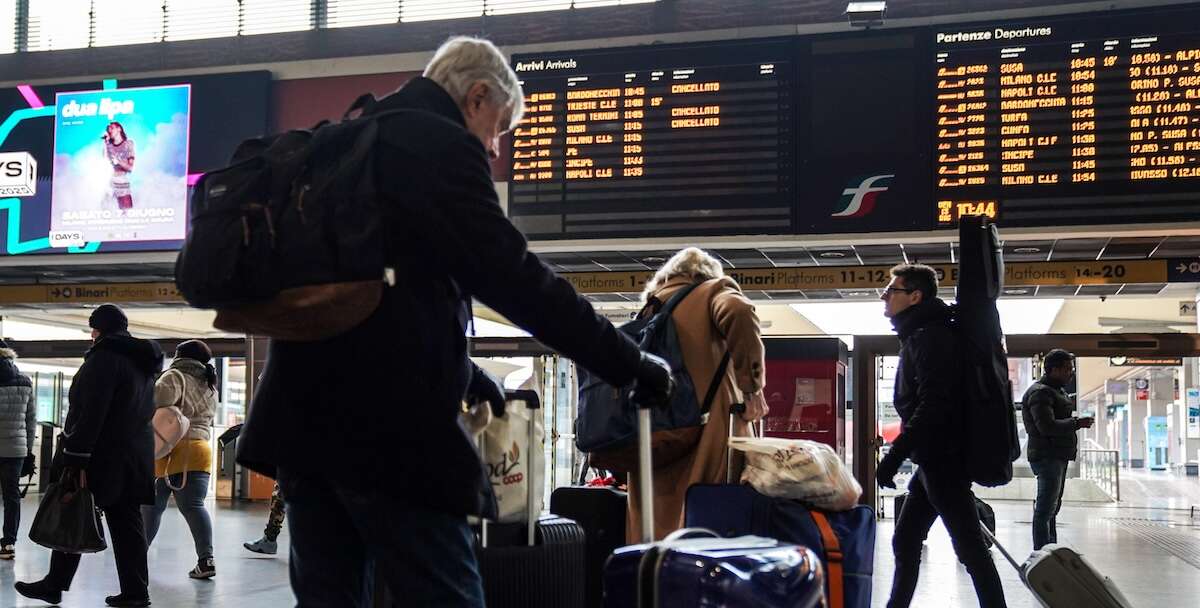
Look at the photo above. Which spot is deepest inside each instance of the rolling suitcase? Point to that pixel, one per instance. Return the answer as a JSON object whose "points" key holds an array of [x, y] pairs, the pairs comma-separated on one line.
{"points": [[844, 540], [1059, 577], [695, 567], [540, 562], [601, 511]]}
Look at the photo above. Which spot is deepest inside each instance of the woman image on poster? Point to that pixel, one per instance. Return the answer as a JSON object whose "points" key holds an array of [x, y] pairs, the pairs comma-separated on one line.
{"points": [[119, 151]]}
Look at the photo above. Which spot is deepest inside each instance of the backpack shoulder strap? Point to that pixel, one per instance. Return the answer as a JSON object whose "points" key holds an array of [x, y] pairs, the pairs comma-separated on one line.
{"points": [[669, 308], [833, 557]]}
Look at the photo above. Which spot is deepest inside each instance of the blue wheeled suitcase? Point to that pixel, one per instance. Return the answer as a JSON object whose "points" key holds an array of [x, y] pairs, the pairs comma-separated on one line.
{"points": [[695, 567], [847, 545]]}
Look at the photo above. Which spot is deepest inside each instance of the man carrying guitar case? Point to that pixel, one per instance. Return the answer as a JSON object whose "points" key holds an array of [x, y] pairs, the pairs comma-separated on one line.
{"points": [[955, 403]]}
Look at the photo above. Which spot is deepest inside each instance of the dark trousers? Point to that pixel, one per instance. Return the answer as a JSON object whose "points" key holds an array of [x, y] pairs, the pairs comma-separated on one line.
{"points": [[10, 474], [342, 537], [930, 495], [127, 537], [1051, 481]]}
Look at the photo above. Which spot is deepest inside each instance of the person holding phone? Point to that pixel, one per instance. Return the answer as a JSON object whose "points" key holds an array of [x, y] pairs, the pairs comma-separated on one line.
{"points": [[1046, 410]]}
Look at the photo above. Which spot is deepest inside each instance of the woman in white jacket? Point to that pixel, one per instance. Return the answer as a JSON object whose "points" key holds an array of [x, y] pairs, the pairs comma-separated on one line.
{"points": [[190, 384]]}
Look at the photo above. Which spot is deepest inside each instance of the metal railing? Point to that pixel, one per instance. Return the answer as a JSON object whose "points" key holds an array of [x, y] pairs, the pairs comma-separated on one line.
{"points": [[1102, 467]]}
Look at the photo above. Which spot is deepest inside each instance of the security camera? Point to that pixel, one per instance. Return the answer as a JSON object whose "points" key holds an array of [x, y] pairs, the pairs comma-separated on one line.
{"points": [[865, 14]]}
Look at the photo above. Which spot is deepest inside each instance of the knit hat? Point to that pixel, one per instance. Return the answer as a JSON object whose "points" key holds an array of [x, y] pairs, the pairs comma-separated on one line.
{"points": [[108, 319], [194, 349]]}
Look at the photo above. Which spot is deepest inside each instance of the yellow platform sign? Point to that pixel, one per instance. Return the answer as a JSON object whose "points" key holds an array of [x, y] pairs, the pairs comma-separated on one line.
{"points": [[90, 293], [1020, 274], [1025, 274]]}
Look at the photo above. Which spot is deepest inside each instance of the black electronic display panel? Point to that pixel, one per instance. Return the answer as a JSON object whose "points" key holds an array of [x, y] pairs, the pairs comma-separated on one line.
{"points": [[694, 140], [1079, 120]]}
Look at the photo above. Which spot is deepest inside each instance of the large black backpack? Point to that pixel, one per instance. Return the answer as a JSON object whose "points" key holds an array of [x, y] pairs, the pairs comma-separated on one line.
{"points": [[992, 444], [289, 241]]}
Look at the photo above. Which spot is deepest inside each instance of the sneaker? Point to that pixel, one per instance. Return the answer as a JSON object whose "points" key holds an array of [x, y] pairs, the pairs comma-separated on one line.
{"points": [[41, 590], [204, 569], [263, 545], [124, 601], [8, 552]]}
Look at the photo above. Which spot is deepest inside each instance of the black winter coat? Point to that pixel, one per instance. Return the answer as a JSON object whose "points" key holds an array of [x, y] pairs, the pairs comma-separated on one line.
{"points": [[377, 407], [107, 430], [928, 392], [1046, 411]]}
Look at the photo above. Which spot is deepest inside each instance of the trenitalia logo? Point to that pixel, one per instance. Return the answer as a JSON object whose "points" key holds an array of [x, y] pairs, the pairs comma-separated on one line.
{"points": [[859, 201]]}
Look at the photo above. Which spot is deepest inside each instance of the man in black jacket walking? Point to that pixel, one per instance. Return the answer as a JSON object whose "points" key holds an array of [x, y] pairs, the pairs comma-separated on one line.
{"points": [[927, 397], [361, 430], [1053, 443], [107, 440]]}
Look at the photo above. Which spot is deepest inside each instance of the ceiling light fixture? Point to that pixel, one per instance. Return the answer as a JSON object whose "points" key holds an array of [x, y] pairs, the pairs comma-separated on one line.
{"points": [[865, 14]]}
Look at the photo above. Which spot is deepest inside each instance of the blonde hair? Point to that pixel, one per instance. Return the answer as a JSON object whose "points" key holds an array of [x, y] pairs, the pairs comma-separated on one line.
{"points": [[693, 263], [463, 61]]}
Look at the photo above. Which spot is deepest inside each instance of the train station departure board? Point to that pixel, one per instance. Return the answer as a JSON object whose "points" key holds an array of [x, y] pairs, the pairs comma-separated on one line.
{"points": [[1080, 120], [639, 142]]}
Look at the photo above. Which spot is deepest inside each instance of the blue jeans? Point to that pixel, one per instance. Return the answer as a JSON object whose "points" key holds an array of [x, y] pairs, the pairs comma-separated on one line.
{"points": [[1051, 480], [190, 501], [10, 474], [342, 537]]}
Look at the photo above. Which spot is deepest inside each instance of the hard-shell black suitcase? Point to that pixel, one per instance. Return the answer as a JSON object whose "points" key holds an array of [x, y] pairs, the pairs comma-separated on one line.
{"points": [[537, 563], [602, 511]]}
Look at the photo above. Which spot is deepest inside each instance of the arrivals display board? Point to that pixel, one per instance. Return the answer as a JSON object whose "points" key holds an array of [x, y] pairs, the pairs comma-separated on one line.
{"points": [[1079, 120], [693, 139]]}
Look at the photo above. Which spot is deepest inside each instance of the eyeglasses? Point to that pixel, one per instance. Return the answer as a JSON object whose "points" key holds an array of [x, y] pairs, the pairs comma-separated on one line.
{"points": [[887, 293]]}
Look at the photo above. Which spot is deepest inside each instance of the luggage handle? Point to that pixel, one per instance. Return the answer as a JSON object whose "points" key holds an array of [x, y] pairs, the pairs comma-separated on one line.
{"points": [[736, 410], [534, 404], [988, 533]]}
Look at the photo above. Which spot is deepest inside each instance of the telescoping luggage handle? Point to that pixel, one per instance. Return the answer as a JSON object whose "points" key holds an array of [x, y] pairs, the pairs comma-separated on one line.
{"points": [[757, 429], [534, 404]]}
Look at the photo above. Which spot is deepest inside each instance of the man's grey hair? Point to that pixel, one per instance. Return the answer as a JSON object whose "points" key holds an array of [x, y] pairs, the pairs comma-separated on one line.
{"points": [[463, 61]]}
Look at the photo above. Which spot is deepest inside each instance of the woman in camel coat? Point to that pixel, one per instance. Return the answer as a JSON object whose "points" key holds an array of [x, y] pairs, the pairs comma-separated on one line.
{"points": [[714, 317]]}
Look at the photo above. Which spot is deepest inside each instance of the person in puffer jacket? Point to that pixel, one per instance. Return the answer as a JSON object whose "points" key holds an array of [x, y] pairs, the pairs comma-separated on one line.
{"points": [[18, 421], [190, 384]]}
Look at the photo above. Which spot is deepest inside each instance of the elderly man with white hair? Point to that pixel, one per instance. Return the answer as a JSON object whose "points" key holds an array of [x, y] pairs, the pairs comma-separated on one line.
{"points": [[361, 430]]}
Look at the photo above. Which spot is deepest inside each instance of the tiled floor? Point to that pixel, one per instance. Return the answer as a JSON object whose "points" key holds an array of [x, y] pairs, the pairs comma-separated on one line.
{"points": [[242, 578], [1145, 571], [1145, 550]]}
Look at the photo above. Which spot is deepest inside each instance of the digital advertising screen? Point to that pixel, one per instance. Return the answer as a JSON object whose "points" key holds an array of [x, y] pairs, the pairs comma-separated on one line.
{"points": [[107, 166], [120, 165]]}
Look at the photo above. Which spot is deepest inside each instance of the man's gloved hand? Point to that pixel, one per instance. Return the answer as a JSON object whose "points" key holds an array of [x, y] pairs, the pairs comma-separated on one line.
{"points": [[29, 466], [654, 381], [885, 473], [486, 387]]}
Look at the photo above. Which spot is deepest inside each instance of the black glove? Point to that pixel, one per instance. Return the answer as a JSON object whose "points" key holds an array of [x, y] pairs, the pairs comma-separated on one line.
{"points": [[29, 466], [654, 381], [485, 387], [885, 473]]}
